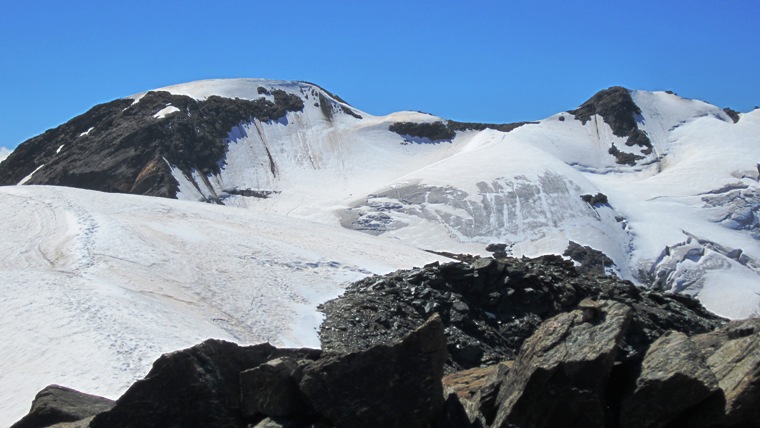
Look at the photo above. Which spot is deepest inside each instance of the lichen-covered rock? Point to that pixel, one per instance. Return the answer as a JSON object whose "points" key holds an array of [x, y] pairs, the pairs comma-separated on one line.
{"points": [[733, 354], [560, 375], [385, 386], [674, 377], [56, 404]]}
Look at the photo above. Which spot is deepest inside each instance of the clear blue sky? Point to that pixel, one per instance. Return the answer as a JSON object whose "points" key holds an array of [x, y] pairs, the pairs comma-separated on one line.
{"points": [[487, 61]]}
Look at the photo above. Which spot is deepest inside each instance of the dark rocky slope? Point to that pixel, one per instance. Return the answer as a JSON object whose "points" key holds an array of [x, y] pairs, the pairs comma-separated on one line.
{"points": [[490, 306], [617, 109], [601, 355], [121, 147]]}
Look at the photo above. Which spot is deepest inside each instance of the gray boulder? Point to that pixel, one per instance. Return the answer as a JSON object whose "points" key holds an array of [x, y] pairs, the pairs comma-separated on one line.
{"points": [[674, 377], [733, 354], [56, 404], [559, 377]]}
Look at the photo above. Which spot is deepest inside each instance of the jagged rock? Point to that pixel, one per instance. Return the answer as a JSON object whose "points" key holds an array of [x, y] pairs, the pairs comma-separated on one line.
{"points": [[385, 386], [271, 390], [674, 377], [560, 376], [57, 404], [489, 307], [590, 261], [195, 387], [476, 390], [733, 354]]}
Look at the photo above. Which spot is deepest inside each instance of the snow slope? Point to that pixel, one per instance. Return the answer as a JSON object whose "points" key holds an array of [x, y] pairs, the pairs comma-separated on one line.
{"points": [[693, 192], [96, 286]]}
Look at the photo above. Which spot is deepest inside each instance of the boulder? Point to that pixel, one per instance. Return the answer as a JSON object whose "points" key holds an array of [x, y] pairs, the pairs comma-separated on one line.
{"points": [[560, 375], [271, 390], [195, 387], [385, 386], [476, 391], [674, 377], [57, 404], [733, 354]]}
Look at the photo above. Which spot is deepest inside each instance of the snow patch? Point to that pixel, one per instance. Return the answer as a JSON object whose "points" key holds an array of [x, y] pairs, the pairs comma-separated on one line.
{"points": [[169, 109], [29, 177], [4, 153]]}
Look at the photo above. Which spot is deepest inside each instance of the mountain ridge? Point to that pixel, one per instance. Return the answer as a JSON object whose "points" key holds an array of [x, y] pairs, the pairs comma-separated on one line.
{"points": [[295, 149]]}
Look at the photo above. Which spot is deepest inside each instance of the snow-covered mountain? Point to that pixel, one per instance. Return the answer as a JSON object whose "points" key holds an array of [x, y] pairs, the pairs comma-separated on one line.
{"points": [[676, 179], [318, 193]]}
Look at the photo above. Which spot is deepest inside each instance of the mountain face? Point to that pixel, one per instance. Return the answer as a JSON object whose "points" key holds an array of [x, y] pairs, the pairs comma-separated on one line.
{"points": [[677, 179]]}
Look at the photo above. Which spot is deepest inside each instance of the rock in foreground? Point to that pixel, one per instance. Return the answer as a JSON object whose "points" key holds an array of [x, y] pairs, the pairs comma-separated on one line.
{"points": [[617, 358]]}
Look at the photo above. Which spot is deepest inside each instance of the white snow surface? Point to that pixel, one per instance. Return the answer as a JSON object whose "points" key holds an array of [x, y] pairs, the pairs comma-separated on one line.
{"points": [[522, 188], [96, 286], [4, 152], [169, 109]]}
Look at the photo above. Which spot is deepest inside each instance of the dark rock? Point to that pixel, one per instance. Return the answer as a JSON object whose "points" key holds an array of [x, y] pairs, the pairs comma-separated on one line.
{"points": [[674, 377], [560, 376], [195, 387], [590, 261], [271, 390], [385, 386], [733, 114], [57, 404], [476, 390], [128, 150], [593, 200], [446, 131], [506, 299], [617, 109]]}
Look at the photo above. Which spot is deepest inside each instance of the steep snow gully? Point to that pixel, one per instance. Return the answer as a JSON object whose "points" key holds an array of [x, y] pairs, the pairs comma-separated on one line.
{"points": [[319, 194]]}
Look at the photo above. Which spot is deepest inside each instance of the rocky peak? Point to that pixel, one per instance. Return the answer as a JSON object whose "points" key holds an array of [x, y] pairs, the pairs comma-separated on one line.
{"points": [[618, 110], [131, 145]]}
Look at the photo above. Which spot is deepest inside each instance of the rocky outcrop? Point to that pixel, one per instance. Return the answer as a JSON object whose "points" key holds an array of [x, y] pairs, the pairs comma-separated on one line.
{"points": [[566, 374], [220, 384], [674, 377], [490, 306], [127, 147], [385, 386], [615, 105], [57, 404], [617, 358], [560, 376], [197, 387], [733, 354]]}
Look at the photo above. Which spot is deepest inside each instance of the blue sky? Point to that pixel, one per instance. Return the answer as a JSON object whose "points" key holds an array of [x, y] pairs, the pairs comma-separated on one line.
{"points": [[486, 61]]}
